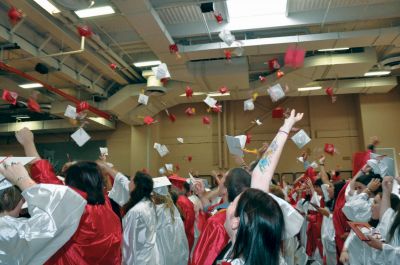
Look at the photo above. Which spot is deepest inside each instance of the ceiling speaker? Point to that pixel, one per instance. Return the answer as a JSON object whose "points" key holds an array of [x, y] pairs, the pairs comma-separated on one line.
{"points": [[42, 69], [207, 7]]}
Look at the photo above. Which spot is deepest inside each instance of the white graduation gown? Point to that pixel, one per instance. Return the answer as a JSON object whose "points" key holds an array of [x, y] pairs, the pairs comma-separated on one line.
{"points": [[55, 215], [172, 244], [120, 190], [358, 208], [303, 207], [328, 239], [139, 235]]}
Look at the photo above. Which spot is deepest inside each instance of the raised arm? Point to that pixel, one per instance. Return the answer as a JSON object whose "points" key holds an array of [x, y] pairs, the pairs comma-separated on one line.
{"points": [[264, 171], [324, 176], [387, 187], [26, 139]]}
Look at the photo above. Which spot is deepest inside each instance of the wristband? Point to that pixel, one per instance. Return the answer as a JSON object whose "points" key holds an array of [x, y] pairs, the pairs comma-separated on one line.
{"points": [[282, 131]]}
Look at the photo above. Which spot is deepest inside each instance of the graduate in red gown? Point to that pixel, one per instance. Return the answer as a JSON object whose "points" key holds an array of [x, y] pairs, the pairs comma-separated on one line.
{"points": [[98, 237]]}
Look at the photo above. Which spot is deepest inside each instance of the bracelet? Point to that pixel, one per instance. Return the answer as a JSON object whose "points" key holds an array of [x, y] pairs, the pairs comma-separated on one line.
{"points": [[283, 132], [20, 178]]}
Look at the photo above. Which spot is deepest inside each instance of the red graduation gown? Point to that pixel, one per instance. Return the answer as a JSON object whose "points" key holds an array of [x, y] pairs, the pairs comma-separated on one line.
{"points": [[211, 241], [187, 208], [314, 231], [340, 221], [98, 237]]}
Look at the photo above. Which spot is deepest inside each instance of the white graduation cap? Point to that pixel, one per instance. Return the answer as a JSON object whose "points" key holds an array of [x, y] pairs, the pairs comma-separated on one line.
{"points": [[161, 71], [314, 164], [4, 183], [143, 99], [301, 139], [236, 144], [161, 149], [161, 185], [276, 92], [210, 101], [301, 159], [104, 151], [180, 140], [248, 104], [70, 112], [169, 167], [258, 122], [382, 165], [227, 37], [80, 137]]}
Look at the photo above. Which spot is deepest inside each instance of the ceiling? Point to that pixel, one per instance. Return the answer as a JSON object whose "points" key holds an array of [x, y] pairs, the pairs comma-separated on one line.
{"points": [[142, 30]]}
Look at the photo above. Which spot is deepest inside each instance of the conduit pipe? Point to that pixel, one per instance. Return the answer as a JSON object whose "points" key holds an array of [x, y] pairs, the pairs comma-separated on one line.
{"points": [[57, 91]]}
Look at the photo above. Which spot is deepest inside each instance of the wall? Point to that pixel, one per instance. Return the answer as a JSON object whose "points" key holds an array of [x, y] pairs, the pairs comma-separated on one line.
{"points": [[380, 116]]}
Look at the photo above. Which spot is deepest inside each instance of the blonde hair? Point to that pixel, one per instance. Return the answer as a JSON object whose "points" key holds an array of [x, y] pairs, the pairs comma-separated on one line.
{"points": [[167, 201]]}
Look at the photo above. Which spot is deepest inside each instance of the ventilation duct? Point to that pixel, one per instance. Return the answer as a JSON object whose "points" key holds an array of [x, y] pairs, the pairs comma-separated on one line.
{"points": [[154, 86]]}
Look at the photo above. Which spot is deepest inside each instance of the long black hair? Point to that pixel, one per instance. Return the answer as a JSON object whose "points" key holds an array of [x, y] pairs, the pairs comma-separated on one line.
{"points": [[261, 229], [86, 176], [396, 223], [143, 188], [237, 180]]}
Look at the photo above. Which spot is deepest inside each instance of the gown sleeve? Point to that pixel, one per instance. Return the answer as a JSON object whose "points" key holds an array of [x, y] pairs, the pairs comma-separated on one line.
{"points": [[55, 215], [120, 189], [42, 172], [391, 254], [358, 208], [293, 219]]}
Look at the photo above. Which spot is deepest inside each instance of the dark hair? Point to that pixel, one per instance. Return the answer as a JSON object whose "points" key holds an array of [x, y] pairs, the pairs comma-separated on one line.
{"points": [[186, 187], [366, 179], [396, 221], [337, 187], [394, 201], [318, 183], [261, 228], [86, 176], [143, 188], [237, 180], [9, 198]]}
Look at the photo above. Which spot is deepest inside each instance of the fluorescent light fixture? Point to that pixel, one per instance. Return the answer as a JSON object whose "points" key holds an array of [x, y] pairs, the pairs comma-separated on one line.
{"points": [[334, 49], [377, 73], [309, 88], [30, 85], [250, 8], [95, 11], [218, 94], [21, 117], [147, 63], [49, 7], [194, 94]]}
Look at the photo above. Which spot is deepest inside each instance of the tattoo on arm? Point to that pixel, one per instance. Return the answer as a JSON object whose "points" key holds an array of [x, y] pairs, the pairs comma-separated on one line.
{"points": [[265, 160]]}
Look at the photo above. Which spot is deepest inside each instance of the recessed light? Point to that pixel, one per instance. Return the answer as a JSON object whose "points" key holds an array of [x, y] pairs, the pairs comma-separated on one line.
{"points": [[218, 94], [95, 11], [30, 85], [334, 49], [377, 73], [147, 63], [49, 7], [309, 88]]}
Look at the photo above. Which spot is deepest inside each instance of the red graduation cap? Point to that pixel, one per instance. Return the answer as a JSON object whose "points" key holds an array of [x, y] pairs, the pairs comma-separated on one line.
{"points": [[206, 120], [10, 96], [85, 31], [218, 17], [189, 158], [177, 167], [217, 108], [113, 66], [273, 64], [83, 105], [248, 138], [262, 78], [177, 181], [294, 57], [359, 160], [33, 105], [190, 111], [329, 149], [14, 15], [279, 74], [172, 117], [148, 120], [278, 113], [329, 91], [228, 54], [310, 173], [189, 92], [223, 90], [173, 48]]}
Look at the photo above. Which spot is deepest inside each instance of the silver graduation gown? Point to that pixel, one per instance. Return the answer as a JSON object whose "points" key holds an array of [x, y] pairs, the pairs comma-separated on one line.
{"points": [[55, 214], [172, 244]]}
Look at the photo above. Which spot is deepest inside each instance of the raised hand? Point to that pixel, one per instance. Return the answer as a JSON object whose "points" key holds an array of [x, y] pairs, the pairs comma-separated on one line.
{"points": [[293, 118], [24, 136], [17, 174], [387, 184], [374, 184]]}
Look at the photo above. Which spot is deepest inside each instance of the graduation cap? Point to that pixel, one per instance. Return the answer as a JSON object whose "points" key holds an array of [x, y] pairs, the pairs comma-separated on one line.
{"points": [[80, 137], [161, 149], [70, 112], [211, 102], [301, 139], [83, 105], [236, 144], [206, 120], [161, 72], [33, 105], [276, 92], [190, 111], [188, 92], [180, 140], [84, 31], [148, 120], [278, 113], [169, 167], [294, 57], [10, 96], [248, 104], [207, 7], [227, 37], [223, 90], [104, 151], [160, 185], [178, 181], [143, 99], [329, 149]]}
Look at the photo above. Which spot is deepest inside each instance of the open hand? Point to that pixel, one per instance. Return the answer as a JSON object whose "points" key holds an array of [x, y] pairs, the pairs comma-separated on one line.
{"points": [[24, 136], [387, 184], [293, 118]]}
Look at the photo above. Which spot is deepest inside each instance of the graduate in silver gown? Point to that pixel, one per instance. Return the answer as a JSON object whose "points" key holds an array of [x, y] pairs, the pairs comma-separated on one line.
{"points": [[55, 212], [172, 244]]}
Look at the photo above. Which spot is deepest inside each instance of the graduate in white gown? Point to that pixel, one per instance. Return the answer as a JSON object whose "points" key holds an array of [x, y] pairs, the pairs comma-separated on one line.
{"points": [[387, 249], [55, 212], [172, 244], [139, 223]]}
